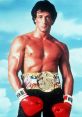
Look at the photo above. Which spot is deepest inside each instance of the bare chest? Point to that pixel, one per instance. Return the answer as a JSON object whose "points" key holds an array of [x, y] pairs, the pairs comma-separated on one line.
{"points": [[45, 50]]}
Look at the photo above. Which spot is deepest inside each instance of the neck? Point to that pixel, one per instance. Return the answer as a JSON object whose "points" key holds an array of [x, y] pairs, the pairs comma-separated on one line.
{"points": [[41, 35]]}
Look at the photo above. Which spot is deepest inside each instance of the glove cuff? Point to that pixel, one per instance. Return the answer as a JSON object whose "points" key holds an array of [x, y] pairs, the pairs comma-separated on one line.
{"points": [[68, 99], [21, 94]]}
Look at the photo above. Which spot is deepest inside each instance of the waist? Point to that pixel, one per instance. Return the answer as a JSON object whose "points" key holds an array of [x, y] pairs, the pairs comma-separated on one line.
{"points": [[45, 81]]}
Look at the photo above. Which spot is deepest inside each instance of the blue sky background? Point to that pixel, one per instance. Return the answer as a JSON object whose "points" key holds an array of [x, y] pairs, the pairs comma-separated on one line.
{"points": [[15, 19]]}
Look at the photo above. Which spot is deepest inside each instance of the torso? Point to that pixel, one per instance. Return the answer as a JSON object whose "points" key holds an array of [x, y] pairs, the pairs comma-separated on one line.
{"points": [[41, 54]]}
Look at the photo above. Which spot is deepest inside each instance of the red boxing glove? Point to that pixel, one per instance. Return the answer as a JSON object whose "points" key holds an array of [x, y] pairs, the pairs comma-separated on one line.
{"points": [[31, 105], [63, 109]]}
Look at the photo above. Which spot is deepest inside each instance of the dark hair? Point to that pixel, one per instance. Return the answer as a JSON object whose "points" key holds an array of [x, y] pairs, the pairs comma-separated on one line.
{"points": [[44, 6]]}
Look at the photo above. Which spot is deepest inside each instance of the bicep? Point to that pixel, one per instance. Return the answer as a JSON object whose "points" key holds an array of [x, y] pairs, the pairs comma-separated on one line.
{"points": [[15, 57], [13, 62], [64, 64]]}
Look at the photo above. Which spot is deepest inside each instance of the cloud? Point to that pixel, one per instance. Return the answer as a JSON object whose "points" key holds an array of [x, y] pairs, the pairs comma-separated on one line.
{"points": [[76, 61], [7, 107], [77, 105], [67, 27], [76, 114], [3, 71], [14, 110], [20, 22], [6, 2], [5, 103], [77, 102]]}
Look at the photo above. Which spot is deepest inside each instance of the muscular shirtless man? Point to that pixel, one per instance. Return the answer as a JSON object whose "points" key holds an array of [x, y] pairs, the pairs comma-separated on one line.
{"points": [[39, 55]]}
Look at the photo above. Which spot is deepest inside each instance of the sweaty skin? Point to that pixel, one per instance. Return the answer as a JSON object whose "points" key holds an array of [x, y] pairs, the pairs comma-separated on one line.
{"points": [[38, 51]]}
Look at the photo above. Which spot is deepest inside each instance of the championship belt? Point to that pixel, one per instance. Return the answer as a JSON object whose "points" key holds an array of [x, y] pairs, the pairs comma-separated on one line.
{"points": [[45, 81]]}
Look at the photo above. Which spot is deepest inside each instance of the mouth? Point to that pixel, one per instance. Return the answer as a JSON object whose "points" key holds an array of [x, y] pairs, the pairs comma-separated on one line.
{"points": [[44, 26]]}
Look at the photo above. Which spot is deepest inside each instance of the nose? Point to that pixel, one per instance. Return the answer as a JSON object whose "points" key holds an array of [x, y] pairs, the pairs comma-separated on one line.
{"points": [[44, 20]]}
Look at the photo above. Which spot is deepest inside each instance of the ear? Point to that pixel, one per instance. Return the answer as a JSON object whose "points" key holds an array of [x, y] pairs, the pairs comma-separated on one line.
{"points": [[34, 20]]}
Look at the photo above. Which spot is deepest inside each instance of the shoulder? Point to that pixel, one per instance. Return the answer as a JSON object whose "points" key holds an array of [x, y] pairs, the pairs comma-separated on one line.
{"points": [[61, 45], [21, 40], [64, 49]]}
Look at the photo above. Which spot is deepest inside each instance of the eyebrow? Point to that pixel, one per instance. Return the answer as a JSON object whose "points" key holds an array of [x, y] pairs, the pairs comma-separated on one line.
{"points": [[42, 14]]}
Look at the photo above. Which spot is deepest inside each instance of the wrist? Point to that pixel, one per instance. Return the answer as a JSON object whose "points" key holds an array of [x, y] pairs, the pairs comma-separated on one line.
{"points": [[21, 94], [68, 99]]}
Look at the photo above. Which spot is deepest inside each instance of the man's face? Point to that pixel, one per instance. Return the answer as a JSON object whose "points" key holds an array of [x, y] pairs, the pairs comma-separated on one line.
{"points": [[43, 21]]}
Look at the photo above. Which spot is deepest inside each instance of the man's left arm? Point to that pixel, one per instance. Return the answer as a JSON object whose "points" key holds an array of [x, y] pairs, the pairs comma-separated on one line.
{"points": [[67, 86], [65, 70]]}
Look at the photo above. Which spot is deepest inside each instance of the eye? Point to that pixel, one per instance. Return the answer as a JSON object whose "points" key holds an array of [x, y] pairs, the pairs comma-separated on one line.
{"points": [[48, 17], [40, 16]]}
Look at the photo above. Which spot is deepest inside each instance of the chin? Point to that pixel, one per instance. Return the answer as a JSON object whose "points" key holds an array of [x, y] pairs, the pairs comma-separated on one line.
{"points": [[44, 30]]}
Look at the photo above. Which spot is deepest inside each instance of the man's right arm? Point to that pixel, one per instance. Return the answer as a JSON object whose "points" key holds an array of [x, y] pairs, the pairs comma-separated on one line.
{"points": [[15, 62], [30, 104]]}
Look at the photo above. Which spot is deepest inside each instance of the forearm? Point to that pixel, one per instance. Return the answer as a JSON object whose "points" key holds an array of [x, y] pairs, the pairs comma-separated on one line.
{"points": [[14, 81], [64, 108], [68, 85]]}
